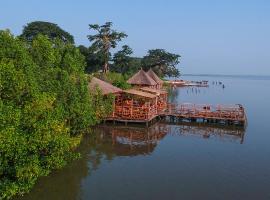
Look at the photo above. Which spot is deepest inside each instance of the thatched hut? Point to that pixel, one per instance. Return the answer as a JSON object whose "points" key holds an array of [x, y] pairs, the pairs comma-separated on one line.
{"points": [[135, 105], [162, 97], [155, 77], [104, 87], [142, 79]]}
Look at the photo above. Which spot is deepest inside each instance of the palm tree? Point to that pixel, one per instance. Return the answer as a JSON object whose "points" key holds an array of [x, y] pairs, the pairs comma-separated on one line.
{"points": [[104, 40]]}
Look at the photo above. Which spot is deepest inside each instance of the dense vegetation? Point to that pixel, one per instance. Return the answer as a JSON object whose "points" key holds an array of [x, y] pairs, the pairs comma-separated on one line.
{"points": [[105, 38], [45, 104], [53, 31]]}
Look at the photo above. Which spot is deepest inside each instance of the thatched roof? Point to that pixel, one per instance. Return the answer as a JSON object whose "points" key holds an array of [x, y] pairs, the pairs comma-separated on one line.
{"points": [[141, 78], [140, 93], [153, 91], [106, 88], [153, 75]]}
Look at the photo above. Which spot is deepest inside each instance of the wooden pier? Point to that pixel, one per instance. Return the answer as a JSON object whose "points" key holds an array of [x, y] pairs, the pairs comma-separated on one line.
{"points": [[200, 113], [223, 114], [182, 83]]}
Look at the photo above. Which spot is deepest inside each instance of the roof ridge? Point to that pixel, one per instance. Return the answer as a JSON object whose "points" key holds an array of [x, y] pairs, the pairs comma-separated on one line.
{"points": [[141, 78], [154, 76]]}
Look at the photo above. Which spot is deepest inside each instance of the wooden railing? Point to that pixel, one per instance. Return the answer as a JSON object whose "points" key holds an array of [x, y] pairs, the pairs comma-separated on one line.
{"points": [[233, 112]]}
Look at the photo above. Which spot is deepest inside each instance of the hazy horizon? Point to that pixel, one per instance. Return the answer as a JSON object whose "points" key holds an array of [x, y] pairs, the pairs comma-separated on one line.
{"points": [[213, 37]]}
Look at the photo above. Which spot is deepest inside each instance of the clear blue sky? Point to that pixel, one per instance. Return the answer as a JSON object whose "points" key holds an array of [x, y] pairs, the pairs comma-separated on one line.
{"points": [[212, 36]]}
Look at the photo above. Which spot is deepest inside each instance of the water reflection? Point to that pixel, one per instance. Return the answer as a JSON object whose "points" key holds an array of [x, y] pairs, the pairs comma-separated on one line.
{"points": [[108, 142], [132, 141], [209, 131]]}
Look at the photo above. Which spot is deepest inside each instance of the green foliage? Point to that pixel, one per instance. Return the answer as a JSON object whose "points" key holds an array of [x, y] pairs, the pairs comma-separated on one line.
{"points": [[105, 39], [116, 79], [53, 31], [94, 60], [44, 105], [162, 62], [122, 60]]}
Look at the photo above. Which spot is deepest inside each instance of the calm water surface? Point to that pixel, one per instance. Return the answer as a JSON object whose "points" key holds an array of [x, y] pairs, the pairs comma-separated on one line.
{"points": [[175, 161]]}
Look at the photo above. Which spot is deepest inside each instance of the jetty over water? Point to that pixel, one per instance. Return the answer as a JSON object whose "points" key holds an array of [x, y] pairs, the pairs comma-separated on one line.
{"points": [[206, 113], [200, 113], [148, 102]]}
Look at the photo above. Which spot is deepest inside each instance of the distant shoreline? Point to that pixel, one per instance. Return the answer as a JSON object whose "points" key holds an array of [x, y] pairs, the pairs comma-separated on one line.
{"points": [[230, 76]]}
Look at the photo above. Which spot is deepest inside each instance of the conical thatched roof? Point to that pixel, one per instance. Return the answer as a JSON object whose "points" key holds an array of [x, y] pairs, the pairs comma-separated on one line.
{"points": [[153, 75], [106, 88], [141, 78]]}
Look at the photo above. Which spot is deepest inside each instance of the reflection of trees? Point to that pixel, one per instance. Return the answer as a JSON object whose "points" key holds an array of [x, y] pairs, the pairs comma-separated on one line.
{"points": [[107, 142], [66, 183], [224, 133]]}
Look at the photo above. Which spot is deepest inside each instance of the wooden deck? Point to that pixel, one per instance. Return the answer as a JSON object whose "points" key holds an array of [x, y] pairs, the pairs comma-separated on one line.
{"points": [[224, 114], [200, 113]]}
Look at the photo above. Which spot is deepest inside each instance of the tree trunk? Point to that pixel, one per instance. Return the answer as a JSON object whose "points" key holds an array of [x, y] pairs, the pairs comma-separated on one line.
{"points": [[106, 64], [106, 67]]}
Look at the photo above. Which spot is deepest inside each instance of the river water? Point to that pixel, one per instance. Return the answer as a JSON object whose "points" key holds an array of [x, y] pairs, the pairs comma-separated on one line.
{"points": [[168, 161]]}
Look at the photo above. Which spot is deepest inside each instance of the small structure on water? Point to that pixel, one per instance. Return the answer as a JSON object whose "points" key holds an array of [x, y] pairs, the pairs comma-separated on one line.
{"points": [[132, 104], [135, 105], [144, 104]]}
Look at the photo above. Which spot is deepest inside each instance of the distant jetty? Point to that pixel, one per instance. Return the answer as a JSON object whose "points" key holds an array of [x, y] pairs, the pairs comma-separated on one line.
{"points": [[183, 83]]}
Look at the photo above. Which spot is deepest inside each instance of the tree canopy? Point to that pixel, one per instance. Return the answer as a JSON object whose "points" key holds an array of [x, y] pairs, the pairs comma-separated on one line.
{"points": [[122, 59], [162, 62], [53, 31], [105, 39], [44, 105]]}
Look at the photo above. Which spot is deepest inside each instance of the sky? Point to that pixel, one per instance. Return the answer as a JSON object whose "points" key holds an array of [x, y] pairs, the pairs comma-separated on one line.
{"points": [[212, 36]]}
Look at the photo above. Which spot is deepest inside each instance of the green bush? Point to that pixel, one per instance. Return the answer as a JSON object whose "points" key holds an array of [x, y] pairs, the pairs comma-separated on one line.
{"points": [[44, 105], [117, 79]]}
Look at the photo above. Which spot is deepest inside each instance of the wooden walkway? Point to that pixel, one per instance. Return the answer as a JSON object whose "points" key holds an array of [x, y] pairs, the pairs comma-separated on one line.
{"points": [[224, 114], [200, 113]]}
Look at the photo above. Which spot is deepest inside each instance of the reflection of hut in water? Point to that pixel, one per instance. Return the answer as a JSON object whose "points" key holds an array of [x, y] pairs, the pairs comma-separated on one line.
{"points": [[132, 141]]}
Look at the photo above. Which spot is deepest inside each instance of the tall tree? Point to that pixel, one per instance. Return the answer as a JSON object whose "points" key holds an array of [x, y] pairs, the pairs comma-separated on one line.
{"points": [[53, 31], [105, 39], [162, 62], [122, 59], [93, 58]]}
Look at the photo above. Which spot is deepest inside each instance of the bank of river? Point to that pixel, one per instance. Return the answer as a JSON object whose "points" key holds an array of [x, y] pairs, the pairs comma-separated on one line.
{"points": [[175, 161]]}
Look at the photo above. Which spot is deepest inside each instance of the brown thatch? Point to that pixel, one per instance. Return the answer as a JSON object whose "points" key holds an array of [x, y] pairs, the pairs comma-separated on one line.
{"points": [[106, 88], [141, 78], [140, 93], [153, 75], [153, 91]]}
